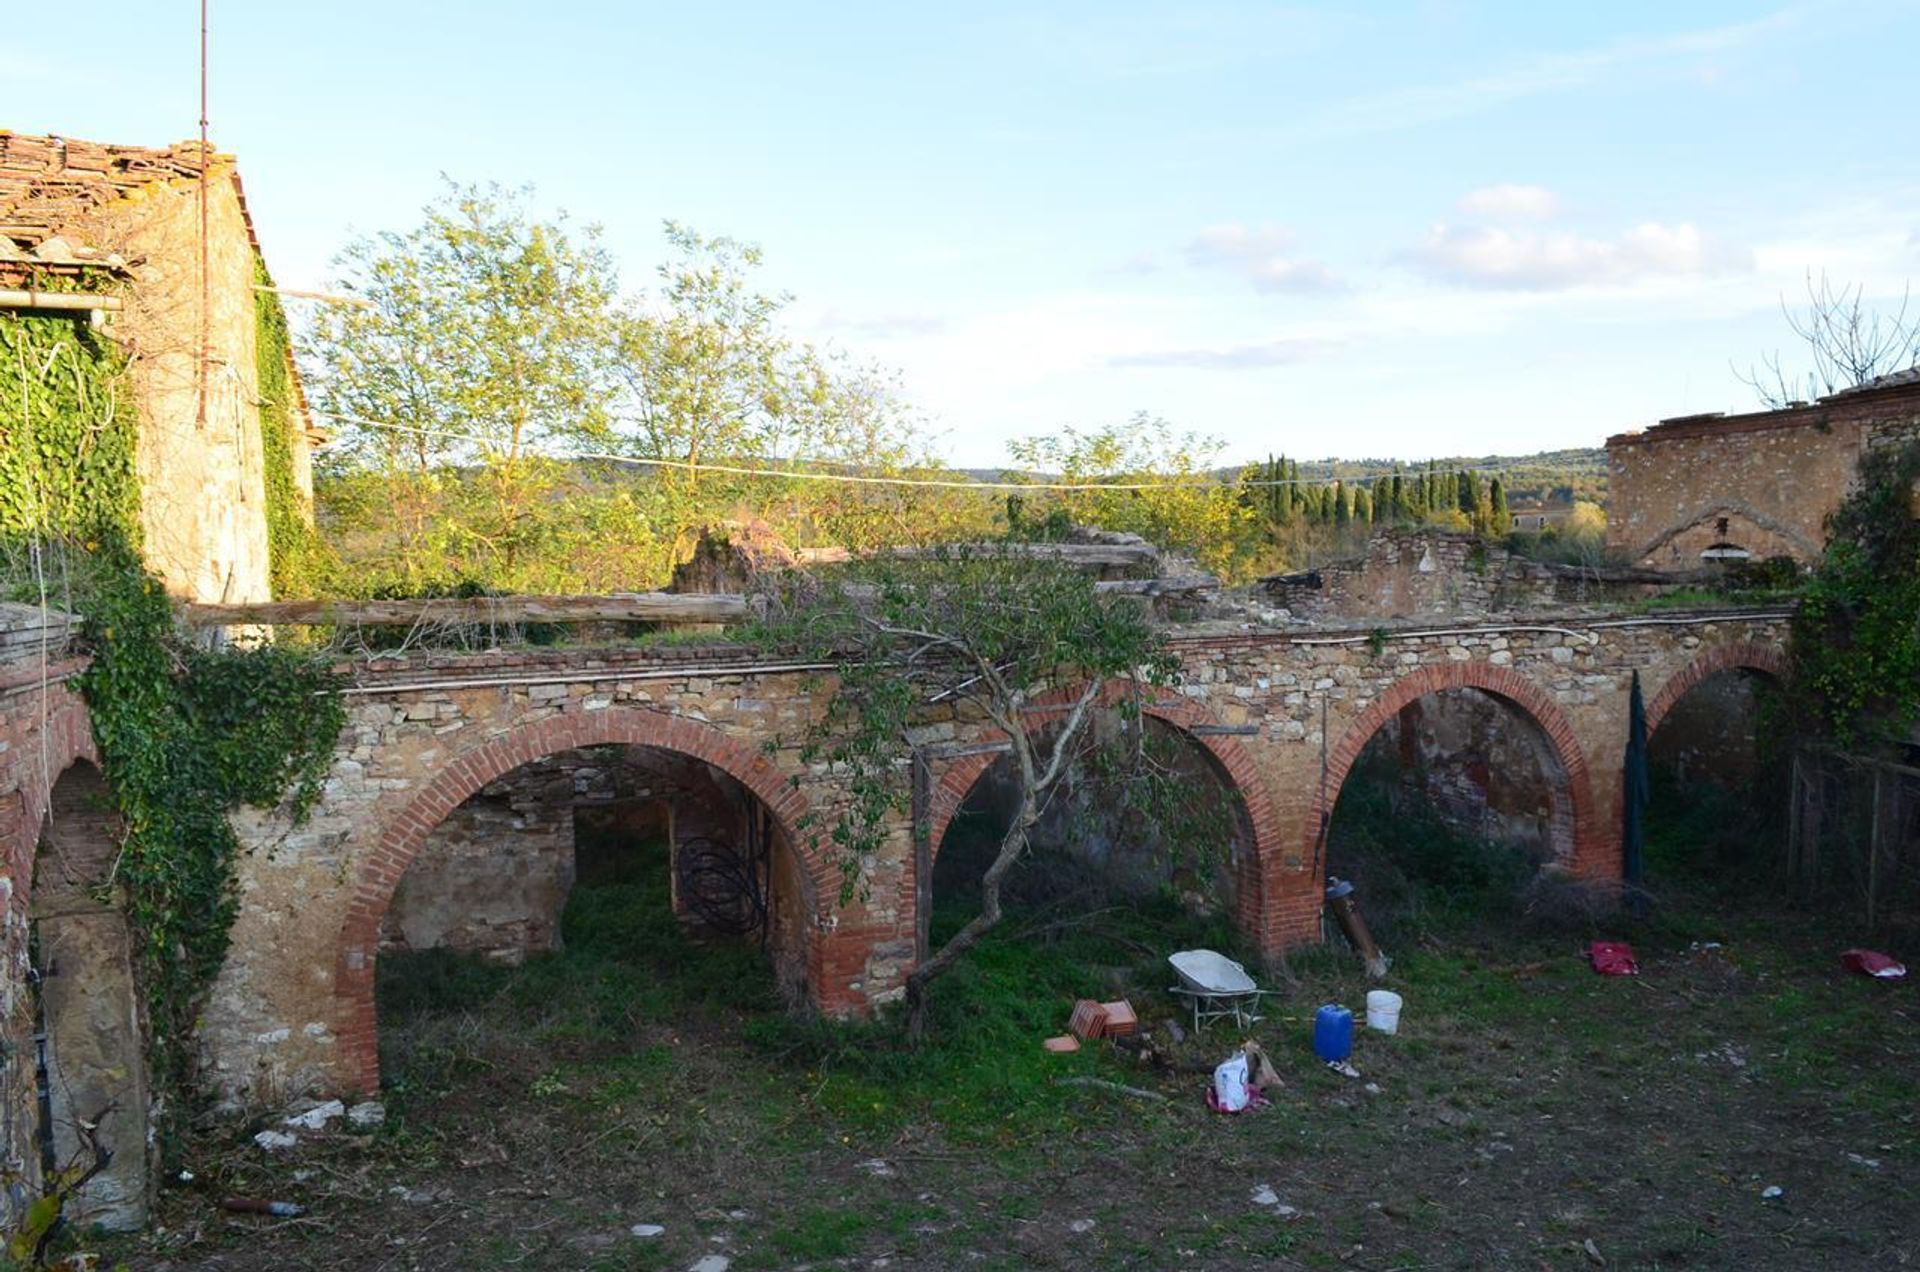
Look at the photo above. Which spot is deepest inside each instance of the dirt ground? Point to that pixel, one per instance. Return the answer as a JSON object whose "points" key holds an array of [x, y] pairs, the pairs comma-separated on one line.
{"points": [[1530, 1114]]}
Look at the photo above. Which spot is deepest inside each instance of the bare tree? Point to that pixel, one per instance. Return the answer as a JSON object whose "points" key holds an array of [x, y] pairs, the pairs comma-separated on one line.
{"points": [[1849, 342]]}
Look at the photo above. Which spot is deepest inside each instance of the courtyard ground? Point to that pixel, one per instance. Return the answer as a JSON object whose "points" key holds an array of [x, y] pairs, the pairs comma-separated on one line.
{"points": [[1531, 1114]]}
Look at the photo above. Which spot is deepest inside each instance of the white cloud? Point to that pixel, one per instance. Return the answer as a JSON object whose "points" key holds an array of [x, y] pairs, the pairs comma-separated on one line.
{"points": [[1480, 256], [1248, 357], [1261, 255], [1511, 202]]}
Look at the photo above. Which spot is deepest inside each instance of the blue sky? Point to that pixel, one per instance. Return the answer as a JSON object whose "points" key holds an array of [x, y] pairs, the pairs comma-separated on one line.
{"points": [[1380, 230]]}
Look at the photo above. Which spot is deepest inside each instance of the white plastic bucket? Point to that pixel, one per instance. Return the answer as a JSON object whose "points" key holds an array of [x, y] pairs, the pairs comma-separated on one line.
{"points": [[1383, 1010]]}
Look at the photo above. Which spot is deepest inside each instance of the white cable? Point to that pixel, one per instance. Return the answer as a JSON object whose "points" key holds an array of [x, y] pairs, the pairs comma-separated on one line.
{"points": [[858, 479]]}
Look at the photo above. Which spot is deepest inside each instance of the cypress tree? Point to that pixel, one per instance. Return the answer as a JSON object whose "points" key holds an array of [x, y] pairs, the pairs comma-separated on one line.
{"points": [[1340, 513], [1501, 520], [1469, 492], [1362, 506]]}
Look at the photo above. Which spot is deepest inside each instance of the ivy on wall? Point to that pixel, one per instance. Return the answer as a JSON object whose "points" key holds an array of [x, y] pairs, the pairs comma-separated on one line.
{"points": [[186, 734], [68, 432], [296, 559]]}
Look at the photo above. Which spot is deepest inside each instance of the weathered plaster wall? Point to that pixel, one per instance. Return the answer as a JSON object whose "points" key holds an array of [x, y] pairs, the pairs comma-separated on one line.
{"points": [[202, 493], [1771, 477], [1484, 768], [95, 1043], [493, 877]]}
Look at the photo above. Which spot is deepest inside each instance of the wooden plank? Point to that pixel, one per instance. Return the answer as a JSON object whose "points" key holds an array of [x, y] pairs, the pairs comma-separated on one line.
{"points": [[645, 607]]}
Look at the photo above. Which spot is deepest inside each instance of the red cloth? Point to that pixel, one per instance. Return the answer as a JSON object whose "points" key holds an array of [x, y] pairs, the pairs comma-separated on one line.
{"points": [[1613, 958], [1875, 964]]}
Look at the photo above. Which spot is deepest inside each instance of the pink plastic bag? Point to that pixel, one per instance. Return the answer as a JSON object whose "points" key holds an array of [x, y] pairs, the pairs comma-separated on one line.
{"points": [[1613, 958], [1873, 963]]}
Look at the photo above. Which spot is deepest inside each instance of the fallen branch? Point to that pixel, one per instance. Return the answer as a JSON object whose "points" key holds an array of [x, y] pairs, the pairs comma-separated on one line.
{"points": [[1140, 1093]]}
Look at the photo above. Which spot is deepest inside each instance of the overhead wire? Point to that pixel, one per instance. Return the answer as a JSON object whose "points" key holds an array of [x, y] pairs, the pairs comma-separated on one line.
{"points": [[867, 479]]}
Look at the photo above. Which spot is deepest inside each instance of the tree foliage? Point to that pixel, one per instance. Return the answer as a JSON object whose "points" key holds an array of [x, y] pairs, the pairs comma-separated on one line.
{"points": [[1184, 506], [973, 632], [481, 323], [1854, 650]]}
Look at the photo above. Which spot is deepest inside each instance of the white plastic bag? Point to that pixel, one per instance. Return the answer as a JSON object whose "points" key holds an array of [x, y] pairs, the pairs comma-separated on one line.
{"points": [[1230, 1094]]}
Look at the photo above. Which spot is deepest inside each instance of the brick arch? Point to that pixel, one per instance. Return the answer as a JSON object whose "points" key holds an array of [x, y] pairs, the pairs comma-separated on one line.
{"points": [[1768, 660], [1585, 850], [69, 741], [1183, 714], [408, 826]]}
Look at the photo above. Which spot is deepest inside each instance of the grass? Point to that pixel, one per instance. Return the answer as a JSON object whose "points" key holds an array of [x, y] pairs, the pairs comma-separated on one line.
{"points": [[1529, 1106]]}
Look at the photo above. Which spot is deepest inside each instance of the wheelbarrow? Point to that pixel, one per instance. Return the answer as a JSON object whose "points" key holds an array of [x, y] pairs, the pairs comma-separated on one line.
{"points": [[1216, 987]]}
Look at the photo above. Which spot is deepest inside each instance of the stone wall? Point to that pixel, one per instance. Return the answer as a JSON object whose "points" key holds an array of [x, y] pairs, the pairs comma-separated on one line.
{"points": [[1763, 482], [202, 505], [43, 732], [1416, 573], [293, 1008], [95, 1041], [493, 878], [1483, 768]]}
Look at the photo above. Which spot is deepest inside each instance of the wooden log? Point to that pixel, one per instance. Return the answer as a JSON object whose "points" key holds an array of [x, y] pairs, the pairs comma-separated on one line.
{"points": [[1086, 555], [645, 607]]}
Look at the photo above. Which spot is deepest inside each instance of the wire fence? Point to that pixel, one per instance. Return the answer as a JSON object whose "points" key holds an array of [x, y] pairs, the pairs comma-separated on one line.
{"points": [[1853, 833]]}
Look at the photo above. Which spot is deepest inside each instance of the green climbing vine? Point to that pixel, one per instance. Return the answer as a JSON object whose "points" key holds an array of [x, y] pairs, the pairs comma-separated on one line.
{"points": [[67, 431], [1855, 645], [186, 734], [296, 557]]}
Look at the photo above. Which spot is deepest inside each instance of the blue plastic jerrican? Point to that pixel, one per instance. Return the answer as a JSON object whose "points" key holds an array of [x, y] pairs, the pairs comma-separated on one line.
{"points": [[1332, 1033]]}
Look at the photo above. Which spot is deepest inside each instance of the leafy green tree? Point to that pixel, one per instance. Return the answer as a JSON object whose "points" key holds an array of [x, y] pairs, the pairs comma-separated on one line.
{"points": [[485, 333], [992, 629], [1181, 504]]}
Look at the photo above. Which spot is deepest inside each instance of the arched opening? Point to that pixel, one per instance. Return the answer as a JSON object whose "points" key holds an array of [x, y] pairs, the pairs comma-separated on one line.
{"points": [[1456, 800], [607, 758], [580, 909], [1451, 793], [1192, 842], [89, 1062], [1716, 809]]}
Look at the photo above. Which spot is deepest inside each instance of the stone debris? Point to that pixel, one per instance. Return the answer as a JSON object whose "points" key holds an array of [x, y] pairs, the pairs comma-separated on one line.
{"points": [[317, 1117], [275, 1140], [879, 1168], [647, 1230], [1080, 1225], [1265, 1196], [711, 1263], [367, 1115]]}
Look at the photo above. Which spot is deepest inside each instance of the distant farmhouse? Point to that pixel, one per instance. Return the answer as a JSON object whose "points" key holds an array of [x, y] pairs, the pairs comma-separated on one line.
{"points": [[1702, 489], [112, 235]]}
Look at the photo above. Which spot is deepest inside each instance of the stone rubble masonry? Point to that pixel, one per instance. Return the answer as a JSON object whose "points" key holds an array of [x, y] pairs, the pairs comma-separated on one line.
{"points": [[293, 1012], [1417, 572], [202, 489], [1772, 477]]}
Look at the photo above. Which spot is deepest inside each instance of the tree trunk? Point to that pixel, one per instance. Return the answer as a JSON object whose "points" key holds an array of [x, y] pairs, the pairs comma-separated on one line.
{"points": [[942, 959]]}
